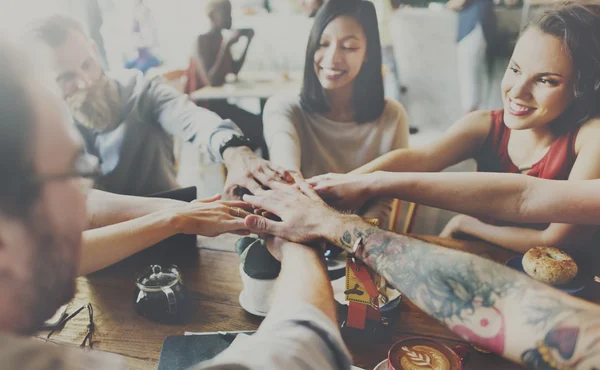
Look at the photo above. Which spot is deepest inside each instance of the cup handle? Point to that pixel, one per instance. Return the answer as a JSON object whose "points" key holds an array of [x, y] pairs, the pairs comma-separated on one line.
{"points": [[463, 352], [172, 302]]}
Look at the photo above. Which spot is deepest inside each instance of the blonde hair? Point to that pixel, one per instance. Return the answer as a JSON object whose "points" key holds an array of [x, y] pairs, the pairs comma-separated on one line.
{"points": [[212, 5]]}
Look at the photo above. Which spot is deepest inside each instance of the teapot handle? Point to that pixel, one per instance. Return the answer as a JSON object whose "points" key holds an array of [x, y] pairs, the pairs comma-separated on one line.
{"points": [[172, 302]]}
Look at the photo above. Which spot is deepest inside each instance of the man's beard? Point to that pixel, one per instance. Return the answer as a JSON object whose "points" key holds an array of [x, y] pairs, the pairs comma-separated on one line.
{"points": [[98, 107], [53, 267]]}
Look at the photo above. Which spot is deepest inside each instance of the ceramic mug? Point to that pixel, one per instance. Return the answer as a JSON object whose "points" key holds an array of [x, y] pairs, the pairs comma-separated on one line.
{"points": [[257, 294], [418, 353]]}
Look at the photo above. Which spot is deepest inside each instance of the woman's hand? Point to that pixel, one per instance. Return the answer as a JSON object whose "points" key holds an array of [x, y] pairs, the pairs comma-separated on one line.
{"points": [[457, 227], [248, 173], [344, 191], [211, 217]]}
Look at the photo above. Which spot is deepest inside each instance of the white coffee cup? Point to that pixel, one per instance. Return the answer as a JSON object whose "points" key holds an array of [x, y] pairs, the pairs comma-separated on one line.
{"points": [[257, 295]]}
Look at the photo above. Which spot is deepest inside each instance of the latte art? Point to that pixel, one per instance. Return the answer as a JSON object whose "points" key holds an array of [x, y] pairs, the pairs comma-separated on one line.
{"points": [[423, 357]]}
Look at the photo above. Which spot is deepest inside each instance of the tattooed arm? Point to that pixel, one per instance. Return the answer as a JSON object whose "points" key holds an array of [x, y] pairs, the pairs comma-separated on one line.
{"points": [[486, 303]]}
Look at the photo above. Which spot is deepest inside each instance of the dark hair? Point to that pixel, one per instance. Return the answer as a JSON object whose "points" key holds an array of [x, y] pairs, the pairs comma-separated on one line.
{"points": [[368, 86], [578, 26], [54, 30], [17, 123]]}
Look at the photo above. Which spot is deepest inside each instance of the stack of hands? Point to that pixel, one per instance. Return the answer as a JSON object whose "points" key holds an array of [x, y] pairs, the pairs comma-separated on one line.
{"points": [[272, 202]]}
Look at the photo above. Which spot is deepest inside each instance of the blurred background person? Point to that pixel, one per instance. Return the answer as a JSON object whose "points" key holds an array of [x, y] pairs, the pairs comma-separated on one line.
{"points": [[476, 31], [212, 61], [145, 40]]}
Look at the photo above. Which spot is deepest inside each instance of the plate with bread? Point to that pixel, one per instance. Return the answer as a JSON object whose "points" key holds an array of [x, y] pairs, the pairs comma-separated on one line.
{"points": [[551, 266]]}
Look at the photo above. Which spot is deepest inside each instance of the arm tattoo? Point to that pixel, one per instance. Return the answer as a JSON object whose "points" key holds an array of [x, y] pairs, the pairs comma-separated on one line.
{"points": [[458, 289], [346, 240], [447, 284], [469, 294], [349, 238], [544, 310], [569, 343]]}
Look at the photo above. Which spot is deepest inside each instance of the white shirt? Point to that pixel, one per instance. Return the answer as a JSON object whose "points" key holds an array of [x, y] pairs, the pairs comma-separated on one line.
{"points": [[314, 144], [282, 343]]}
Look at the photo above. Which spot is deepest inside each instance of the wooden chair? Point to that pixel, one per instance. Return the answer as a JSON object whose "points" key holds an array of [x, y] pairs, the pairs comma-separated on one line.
{"points": [[411, 214], [176, 77]]}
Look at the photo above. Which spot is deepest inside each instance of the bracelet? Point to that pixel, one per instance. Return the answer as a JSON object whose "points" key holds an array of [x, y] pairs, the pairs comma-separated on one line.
{"points": [[357, 244]]}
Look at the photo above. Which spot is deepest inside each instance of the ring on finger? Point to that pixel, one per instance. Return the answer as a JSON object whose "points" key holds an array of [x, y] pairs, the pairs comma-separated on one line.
{"points": [[235, 211]]}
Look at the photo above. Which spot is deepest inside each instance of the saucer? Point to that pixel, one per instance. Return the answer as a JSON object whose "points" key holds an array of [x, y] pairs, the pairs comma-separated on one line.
{"points": [[248, 308], [383, 365], [574, 286]]}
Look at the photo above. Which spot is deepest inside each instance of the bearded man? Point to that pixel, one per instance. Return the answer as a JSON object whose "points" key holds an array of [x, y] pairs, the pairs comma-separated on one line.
{"points": [[129, 122]]}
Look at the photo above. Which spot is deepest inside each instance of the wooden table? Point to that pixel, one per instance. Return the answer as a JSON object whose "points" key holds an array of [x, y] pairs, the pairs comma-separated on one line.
{"points": [[260, 85], [212, 277]]}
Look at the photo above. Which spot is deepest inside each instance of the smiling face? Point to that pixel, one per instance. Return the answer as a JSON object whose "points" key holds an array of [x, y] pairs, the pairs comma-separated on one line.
{"points": [[537, 86], [341, 53]]}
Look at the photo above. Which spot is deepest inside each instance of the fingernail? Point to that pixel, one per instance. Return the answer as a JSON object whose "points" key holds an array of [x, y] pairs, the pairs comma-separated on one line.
{"points": [[250, 221]]}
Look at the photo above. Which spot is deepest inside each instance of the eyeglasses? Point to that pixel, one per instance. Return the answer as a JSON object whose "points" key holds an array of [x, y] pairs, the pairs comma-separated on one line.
{"points": [[86, 169], [89, 336], [91, 327]]}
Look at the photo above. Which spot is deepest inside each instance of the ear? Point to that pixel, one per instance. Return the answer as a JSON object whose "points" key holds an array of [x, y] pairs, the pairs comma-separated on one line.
{"points": [[211, 16]]}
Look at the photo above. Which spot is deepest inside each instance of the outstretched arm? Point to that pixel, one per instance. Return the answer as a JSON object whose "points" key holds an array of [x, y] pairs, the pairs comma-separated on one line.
{"points": [[300, 331], [509, 197], [104, 246], [486, 303], [106, 208]]}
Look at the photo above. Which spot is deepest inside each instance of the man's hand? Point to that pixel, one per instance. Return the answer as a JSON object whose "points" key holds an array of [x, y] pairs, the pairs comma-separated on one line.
{"points": [[304, 216], [344, 191], [211, 217], [250, 174]]}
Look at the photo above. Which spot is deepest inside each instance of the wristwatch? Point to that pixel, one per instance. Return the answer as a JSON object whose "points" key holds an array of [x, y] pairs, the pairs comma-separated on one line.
{"points": [[234, 142]]}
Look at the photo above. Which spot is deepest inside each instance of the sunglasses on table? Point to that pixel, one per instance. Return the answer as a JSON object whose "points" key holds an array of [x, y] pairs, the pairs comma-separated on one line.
{"points": [[91, 327]]}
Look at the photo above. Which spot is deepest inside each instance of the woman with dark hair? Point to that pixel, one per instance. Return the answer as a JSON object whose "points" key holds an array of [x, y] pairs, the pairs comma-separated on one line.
{"points": [[549, 128], [341, 119]]}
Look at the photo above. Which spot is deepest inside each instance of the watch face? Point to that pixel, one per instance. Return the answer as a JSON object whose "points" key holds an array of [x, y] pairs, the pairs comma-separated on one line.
{"points": [[227, 140]]}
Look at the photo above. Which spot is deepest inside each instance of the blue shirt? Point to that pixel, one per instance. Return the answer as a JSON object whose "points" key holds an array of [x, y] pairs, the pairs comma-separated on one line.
{"points": [[137, 156], [477, 11]]}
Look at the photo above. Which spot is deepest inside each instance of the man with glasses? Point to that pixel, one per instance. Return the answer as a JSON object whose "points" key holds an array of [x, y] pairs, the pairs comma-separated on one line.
{"points": [[42, 213], [128, 122], [45, 178]]}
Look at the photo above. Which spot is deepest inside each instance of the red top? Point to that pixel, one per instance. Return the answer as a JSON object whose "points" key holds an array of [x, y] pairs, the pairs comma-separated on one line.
{"points": [[555, 165]]}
